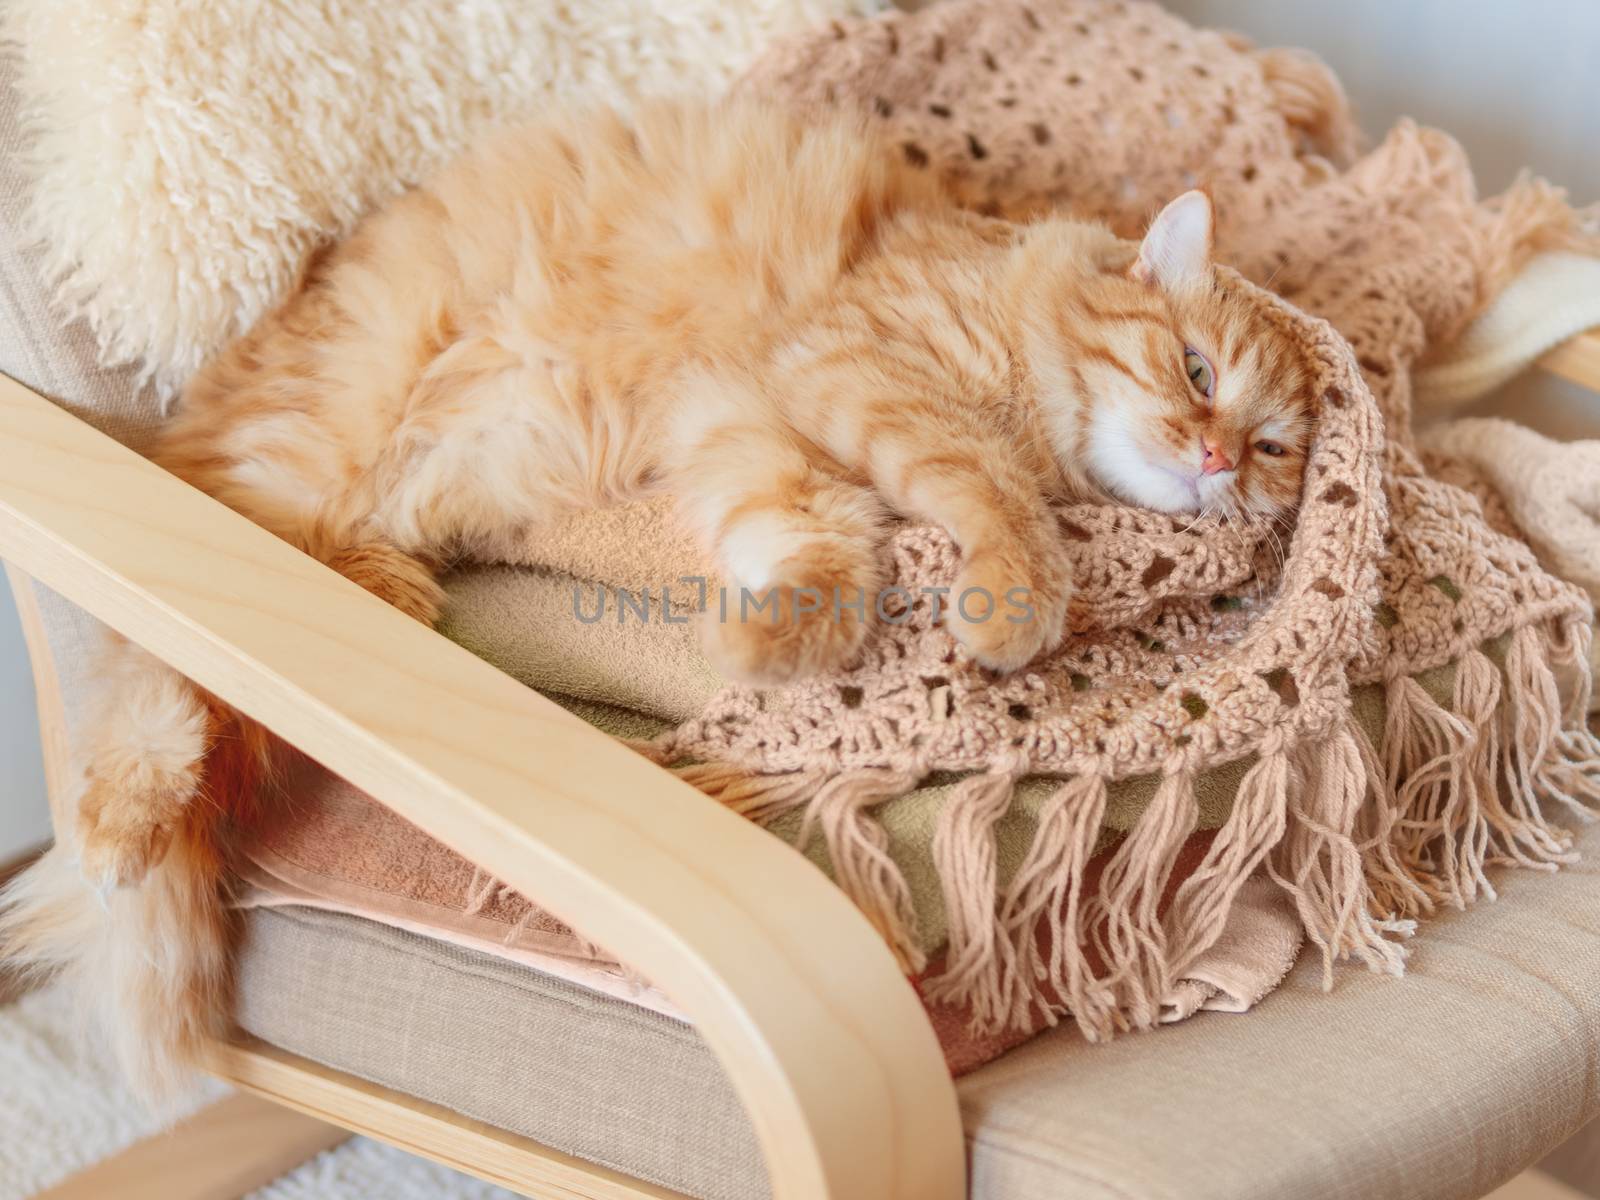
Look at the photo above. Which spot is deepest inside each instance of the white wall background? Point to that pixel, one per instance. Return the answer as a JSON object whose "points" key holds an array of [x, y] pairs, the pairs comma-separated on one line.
{"points": [[24, 815], [1515, 80]]}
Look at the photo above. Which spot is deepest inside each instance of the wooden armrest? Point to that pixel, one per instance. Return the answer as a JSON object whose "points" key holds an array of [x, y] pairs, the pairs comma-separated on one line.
{"points": [[1577, 359], [821, 1035]]}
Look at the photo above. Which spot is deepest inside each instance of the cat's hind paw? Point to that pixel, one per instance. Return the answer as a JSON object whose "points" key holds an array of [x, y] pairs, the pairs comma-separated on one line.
{"points": [[124, 831], [121, 853]]}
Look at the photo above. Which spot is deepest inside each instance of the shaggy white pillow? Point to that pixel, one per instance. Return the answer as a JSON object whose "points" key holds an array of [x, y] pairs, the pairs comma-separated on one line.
{"points": [[187, 157]]}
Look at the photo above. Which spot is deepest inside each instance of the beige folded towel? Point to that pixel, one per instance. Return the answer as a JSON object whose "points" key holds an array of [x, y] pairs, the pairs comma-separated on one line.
{"points": [[1257, 947], [632, 546], [526, 622]]}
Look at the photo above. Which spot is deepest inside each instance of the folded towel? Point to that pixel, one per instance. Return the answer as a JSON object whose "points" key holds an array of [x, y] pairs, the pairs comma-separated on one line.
{"points": [[343, 852], [1551, 489], [531, 624]]}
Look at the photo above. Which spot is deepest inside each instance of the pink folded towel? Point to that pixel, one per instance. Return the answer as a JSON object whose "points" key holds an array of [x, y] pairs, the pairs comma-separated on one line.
{"points": [[341, 851]]}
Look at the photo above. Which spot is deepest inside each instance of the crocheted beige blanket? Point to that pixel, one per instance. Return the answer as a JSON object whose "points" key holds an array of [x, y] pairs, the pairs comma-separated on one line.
{"points": [[1197, 645]]}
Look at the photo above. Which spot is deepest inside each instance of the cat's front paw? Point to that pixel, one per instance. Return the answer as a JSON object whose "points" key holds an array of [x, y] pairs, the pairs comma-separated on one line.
{"points": [[793, 630], [1009, 604], [125, 827], [782, 633]]}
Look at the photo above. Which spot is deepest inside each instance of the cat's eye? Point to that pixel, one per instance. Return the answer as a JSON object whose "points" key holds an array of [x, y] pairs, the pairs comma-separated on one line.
{"points": [[1272, 449], [1198, 370]]}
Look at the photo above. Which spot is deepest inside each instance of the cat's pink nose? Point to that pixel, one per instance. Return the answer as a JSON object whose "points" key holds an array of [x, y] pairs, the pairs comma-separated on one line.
{"points": [[1215, 458]]}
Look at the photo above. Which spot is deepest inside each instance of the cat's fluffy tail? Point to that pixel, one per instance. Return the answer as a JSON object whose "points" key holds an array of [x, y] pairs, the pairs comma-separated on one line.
{"points": [[172, 773], [167, 770], [148, 964]]}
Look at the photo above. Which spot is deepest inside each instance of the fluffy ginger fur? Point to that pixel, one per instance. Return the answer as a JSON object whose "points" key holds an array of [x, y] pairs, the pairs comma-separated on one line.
{"points": [[782, 324], [188, 157]]}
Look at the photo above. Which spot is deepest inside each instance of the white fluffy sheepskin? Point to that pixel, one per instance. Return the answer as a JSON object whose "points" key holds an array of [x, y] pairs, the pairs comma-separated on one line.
{"points": [[188, 156]]}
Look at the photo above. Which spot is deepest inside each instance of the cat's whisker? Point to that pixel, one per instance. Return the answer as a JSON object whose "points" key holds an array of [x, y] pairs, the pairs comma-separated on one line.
{"points": [[1205, 511], [1277, 547], [1276, 271], [1231, 517]]}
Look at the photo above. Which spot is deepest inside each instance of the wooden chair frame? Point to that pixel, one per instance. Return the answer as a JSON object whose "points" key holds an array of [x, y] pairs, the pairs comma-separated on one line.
{"points": [[820, 1033], [804, 1007]]}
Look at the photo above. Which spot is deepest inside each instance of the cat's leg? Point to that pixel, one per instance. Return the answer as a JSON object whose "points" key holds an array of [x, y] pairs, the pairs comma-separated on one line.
{"points": [[151, 962], [155, 728], [1009, 604], [142, 768], [166, 767], [153, 767], [802, 548], [170, 772], [405, 581], [283, 427]]}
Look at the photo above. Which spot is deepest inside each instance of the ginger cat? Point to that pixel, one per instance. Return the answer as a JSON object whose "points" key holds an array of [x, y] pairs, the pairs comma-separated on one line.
{"points": [[780, 323]]}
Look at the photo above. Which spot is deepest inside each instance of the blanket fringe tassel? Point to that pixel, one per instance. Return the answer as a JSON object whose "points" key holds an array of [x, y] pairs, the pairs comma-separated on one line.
{"points": [[1364, 839]]}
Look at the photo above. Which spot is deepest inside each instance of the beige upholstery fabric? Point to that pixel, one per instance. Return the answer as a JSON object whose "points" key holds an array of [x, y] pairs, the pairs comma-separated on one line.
{"points": [[590, 1075], [57, 359], [73, 635], [1432, 1087], [1437, 1086]]}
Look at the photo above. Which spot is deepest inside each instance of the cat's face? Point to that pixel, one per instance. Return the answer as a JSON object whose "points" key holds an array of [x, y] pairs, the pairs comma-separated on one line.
{"points": [[1195, 402]]}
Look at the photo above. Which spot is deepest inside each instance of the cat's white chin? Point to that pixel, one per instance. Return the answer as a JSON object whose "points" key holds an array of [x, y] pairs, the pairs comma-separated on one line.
{"points": [[1163, 490], [1123, 469]]}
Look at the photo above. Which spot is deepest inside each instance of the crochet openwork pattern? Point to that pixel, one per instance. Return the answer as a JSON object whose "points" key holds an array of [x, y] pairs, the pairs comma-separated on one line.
{"points": [[1203, 644]]}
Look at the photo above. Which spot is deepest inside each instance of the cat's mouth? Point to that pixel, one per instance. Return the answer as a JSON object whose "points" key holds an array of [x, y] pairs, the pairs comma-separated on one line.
{"points": [[1189, 483]]}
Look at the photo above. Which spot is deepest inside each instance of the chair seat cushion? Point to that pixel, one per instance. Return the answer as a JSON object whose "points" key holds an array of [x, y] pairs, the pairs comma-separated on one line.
{"points": [[1436, 1086], [585, 1073]]}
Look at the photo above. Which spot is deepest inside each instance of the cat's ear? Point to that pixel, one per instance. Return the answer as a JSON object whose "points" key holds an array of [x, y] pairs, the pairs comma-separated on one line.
{"points": [[1177, 248]]}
